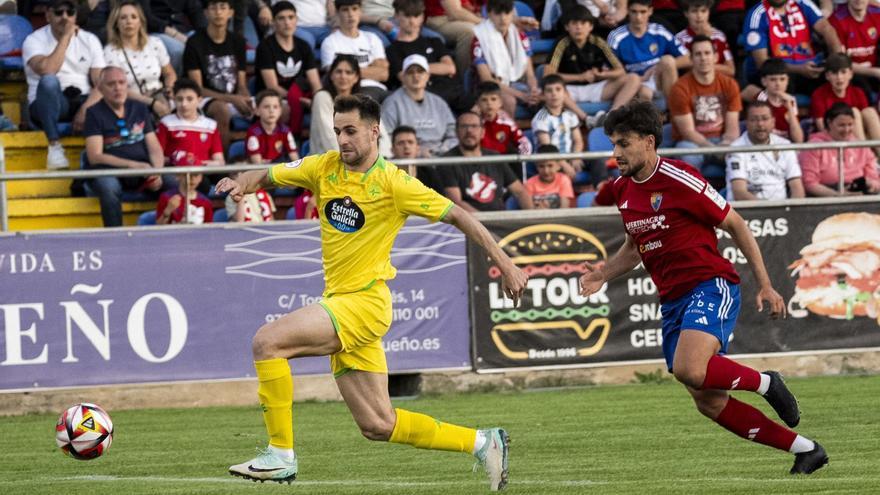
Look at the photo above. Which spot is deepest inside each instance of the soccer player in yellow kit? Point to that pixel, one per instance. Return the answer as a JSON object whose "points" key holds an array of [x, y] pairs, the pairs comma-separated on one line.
{"points": [[364, 201]]}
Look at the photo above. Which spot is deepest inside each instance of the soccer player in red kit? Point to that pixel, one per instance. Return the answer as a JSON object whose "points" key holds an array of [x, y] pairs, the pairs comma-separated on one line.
{"points": [[670, 213]]}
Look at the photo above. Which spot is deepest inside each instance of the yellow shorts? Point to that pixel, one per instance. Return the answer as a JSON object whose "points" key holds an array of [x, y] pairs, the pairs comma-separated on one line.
{"points": [[360, 319]]}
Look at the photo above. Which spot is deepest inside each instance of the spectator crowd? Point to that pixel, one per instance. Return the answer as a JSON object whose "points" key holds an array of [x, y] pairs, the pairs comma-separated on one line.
{"points": [[159, 83]]}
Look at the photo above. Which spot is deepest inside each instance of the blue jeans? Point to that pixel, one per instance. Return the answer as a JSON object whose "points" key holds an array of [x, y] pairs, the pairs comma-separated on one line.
{"points": [[109, 193], [51, 107], [700, 161]]}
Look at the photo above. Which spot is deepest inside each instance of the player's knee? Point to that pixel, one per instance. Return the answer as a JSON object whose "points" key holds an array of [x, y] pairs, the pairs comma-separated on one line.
{"points": [[263, 345], [378, 428], [689, 376], [712, 406]]}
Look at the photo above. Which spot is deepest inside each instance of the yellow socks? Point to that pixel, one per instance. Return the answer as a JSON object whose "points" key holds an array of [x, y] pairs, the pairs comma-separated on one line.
{"points": [[276, 399], [425, 432]]}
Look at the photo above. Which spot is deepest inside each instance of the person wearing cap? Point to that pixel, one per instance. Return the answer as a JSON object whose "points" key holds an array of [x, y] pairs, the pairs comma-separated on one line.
{"points": [[287, 65], [426, 112], [120, 135], [62, 64], [364, 45]]}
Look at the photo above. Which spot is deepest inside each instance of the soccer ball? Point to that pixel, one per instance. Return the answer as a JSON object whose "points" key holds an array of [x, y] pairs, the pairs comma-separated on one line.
{"points": [[84, 431]]}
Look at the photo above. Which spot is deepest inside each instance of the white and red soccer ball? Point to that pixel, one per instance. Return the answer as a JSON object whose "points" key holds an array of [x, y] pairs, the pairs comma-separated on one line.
{"points": [[84, 431]]}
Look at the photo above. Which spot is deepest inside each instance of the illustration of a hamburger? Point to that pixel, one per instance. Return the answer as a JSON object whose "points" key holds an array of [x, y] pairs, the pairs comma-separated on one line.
{"points": [[839, 272], [559, 323]]}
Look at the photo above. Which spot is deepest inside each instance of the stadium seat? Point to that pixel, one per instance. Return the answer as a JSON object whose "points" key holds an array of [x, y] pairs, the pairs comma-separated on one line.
{"points": [[304, 148], [147, 218], [511, 203], [221, 215], [239, 123], [585, 200], [291, 214], [598, 141], [590, 108], [13, 30], [668, 142], [236, 151], [542, 45]]}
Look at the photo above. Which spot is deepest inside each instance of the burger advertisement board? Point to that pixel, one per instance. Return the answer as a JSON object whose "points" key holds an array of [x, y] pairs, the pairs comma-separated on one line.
{"points": [[823, 259]]}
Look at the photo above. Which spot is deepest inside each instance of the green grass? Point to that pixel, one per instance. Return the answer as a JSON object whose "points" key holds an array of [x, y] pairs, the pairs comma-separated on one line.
{"points": [[643, 438]]}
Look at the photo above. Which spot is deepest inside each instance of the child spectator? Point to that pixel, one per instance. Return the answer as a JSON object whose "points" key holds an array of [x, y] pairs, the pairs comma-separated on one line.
{"points": [[188, 137], [169, 209], [269, 141], [550, 188], [857, 24], [503, 54], [774, 78], [256, 207], [215, 59], [587, 64], [697, 13], [501, 133], [839, 73], [555, 125]]}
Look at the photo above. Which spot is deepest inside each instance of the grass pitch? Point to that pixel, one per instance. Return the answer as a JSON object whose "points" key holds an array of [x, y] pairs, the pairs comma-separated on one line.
{"points": [[643, 439]]}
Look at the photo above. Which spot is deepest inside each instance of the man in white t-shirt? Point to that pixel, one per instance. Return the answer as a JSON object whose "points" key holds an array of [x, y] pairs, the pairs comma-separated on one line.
{"points": [[364, 45], [313, 20], [762, 174], [62, 65]]}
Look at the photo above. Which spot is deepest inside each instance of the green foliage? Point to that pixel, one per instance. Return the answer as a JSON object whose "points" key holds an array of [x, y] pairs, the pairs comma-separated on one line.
{"points": [[657, 376], [600, 440]]}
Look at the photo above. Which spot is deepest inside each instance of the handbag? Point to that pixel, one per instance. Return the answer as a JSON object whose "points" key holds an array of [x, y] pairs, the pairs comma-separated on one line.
{"points": [[156, 95]]}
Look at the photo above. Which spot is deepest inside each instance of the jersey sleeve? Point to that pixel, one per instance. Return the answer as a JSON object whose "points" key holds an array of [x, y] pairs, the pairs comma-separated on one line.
{"points": [[303, 173], [755, 31], [736, 166], [709, 206], [811, 11], [411, 197]]}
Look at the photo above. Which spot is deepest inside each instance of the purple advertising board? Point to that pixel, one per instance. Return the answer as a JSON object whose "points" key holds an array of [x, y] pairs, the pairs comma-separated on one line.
{"points": [[146, 305]]}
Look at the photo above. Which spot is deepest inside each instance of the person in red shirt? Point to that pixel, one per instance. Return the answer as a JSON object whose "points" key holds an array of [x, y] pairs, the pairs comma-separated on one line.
{"points": [[188, 137], [858, 26], [697, 14], [839, 73], [269, 141], [774, 79], [170, 207], [670, 214], [501, 132]]}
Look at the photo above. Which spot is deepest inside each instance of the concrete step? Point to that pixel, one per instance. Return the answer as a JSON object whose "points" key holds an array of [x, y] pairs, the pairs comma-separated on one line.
{"points": [[26, 152], [66, 213]]}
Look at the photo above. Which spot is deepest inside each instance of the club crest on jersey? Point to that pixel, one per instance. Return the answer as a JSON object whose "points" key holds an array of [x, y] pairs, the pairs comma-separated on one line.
{"points": [[656, 199], [294, 164], [344, 215]]}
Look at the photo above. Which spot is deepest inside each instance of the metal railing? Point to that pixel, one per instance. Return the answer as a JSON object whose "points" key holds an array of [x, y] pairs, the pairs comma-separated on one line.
{"points": [[412, 164]]}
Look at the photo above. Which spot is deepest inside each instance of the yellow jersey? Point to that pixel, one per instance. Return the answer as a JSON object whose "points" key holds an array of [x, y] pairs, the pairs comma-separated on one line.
{"points": [[360, 215]]}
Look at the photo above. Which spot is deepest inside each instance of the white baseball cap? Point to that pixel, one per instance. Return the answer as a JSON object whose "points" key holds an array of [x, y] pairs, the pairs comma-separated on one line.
{"points": [[415, 59]]}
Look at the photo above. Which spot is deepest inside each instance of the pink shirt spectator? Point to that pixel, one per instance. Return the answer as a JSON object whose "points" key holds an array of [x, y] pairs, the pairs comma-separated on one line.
{"points": [[550, 194], [820, 166]]}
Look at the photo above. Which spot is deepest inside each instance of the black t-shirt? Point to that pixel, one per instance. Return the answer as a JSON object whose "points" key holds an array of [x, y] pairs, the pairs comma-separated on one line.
{"points": [[123, 137], [482, 185], [595, 54], [289, 66], [219, 63], [433, 50]]}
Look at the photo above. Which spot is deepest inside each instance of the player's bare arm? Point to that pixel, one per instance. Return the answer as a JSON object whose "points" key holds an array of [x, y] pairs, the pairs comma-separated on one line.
{"points": [[513, 280], [734, 225], [624, 260], [245, 183]]}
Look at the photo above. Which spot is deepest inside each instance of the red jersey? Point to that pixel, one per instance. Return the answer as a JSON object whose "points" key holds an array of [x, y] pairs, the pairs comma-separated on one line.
{"points": [[824, 97], [187, 142], [200, 209], [858, 38], [728, 5], [503, 135], [686, 37], [665, 5], [270, 146], [671, 216]]}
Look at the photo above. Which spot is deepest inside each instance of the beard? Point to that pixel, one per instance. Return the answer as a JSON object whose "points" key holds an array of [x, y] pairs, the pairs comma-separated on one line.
{"points": [[632, 169], [352, 158]]}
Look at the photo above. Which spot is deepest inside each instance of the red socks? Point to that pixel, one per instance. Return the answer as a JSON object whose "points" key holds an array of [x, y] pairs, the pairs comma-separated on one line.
{"points": [[749, 423], [724, 374]]}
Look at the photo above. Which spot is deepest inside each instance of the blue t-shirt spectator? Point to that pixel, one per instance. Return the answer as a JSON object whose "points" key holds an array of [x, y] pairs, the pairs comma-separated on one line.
{"points": [[123, 136], [640, 54]]}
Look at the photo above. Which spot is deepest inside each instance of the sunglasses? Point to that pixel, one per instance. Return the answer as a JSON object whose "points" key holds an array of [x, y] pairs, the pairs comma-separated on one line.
{"points": [[69, 12], [123, 129]]}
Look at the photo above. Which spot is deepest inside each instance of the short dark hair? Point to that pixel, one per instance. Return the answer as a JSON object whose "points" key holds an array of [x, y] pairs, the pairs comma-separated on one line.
{"points": [[499, 6], [692, 4], [551, 79], [409, 8], [836, 110], [758, 104], [345, 3], [547, 148], [184, 83], [366, 107], [282, 6], [838, 62], [468, 112], [266, 93], [208, 3], [646, 3], [488, 88], [702, 38], [640, 117], [578, 13], [403, 129], [773, 67]]}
